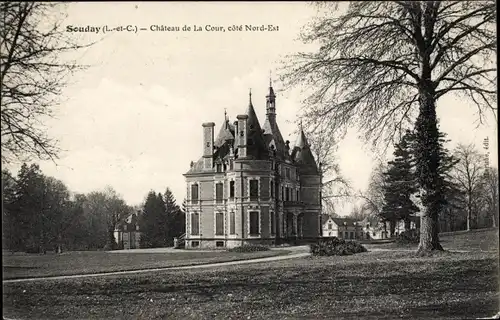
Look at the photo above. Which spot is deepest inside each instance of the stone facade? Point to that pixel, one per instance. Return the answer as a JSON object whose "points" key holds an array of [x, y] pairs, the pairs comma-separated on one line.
{"points": [[250, 186]]}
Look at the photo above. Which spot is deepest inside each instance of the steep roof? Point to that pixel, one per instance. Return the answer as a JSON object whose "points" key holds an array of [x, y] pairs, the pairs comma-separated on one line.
{"points": [[256, 145], [274, 139], [225, 133], [348, 222], [303, 156], [325, 218]]}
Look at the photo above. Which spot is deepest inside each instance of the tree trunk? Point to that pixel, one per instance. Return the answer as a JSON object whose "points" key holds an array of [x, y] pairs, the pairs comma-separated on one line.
{"points": [[469, 216], [407, 225], [428, 164], [392, 227], [493, 217]]}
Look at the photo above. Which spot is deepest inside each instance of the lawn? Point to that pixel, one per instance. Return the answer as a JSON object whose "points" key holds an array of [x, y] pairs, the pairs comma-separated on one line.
{"points": [[82, 262], [374, 285], [476, 240]]}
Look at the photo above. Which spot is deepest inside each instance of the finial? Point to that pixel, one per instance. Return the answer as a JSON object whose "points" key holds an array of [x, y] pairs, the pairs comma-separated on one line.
{"points": [[301, 128], [250, 94], [225, 114], [270, 79]]}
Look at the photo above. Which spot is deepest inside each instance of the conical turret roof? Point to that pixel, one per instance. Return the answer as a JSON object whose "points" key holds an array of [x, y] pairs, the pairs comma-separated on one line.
{"points": [[225, 133], [256, 146], [303, 156]]}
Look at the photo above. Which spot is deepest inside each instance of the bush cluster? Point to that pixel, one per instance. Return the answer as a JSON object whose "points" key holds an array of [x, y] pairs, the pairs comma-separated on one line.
{"points": [[408, 237], [249, 248], [336, 247]]}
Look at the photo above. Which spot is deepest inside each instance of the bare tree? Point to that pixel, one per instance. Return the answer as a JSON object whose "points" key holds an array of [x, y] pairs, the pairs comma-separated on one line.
{"points": [[382, 66], [32, 76], [335, 187], [374, 195], [469, 174]]}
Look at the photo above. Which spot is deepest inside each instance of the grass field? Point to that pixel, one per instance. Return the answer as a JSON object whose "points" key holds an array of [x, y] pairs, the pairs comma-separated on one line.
{"points": [[483, 240], [82, 262], [373, 285]]}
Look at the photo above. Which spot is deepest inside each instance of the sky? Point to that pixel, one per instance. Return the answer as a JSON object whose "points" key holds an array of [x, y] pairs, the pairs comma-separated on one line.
{"points": [[133, 119]]}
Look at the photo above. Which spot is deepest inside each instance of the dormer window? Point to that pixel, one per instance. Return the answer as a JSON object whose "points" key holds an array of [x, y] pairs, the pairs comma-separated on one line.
{"points": [[219, 167]]}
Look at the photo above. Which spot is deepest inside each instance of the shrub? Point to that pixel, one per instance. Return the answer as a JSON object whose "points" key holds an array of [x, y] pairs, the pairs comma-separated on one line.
{"points": [[249, 248], [408, 237], [336, 247]]}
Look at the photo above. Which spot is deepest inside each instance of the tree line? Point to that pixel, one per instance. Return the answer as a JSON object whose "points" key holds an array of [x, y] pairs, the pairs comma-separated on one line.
{"points": [[40, 214], [468, 188]]}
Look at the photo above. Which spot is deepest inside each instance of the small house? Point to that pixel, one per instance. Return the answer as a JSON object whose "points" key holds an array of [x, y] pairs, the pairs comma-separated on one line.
{"points": [[127, 233], [344, 228]]}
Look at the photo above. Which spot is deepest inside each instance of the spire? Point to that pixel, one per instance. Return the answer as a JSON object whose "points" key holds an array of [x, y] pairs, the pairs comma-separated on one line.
{"points": [[302, 154], [271, 96], [301, 141], [226, 120]]}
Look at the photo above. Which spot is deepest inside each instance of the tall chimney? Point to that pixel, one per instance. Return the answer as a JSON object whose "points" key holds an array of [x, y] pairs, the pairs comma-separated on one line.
{"points": [[208, 145], [242, 135]]}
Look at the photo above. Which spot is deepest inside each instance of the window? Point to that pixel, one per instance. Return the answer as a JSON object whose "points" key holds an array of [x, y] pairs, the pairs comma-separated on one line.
{"points": [[282, 193], [297, 173], [254, 189], [219, 244], [195, 244], [194, 193], [254, 222], [298, 195], [231, 189], [231, 164], [219, 167], [352, 235], [232, 223], [195, 223], [330, 226], [272, 188], [219, 224], [287, 194], [287, 173], [273, 223], [219, 192]]}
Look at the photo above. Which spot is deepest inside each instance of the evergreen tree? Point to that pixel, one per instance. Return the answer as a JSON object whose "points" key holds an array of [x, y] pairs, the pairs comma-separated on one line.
{"points": [[400, 185], [153, 222], [28, 208], [447, 190], [175, 217]]}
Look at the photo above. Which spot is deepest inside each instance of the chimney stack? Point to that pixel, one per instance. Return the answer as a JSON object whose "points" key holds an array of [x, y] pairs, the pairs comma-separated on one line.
{"points": [[208, 145], [241, 139]]}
